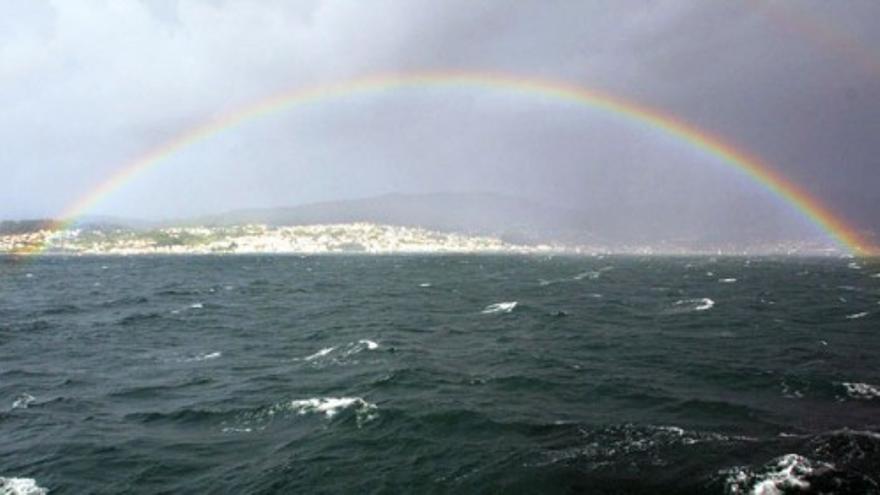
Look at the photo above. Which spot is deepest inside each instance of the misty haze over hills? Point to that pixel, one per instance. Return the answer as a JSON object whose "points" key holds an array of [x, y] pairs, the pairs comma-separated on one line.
{"points": [[525, 221]]}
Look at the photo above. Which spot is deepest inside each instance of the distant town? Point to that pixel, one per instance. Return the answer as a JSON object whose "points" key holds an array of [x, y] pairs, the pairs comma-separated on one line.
{"points": [[255, 239], [359, 237]]}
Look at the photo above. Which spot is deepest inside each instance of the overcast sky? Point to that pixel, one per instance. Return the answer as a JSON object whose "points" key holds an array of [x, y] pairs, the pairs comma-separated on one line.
{"points": [[86, 86]]}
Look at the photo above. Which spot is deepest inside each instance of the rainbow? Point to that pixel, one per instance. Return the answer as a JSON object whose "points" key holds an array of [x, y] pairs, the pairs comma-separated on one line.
{"points": [[750, 165]]}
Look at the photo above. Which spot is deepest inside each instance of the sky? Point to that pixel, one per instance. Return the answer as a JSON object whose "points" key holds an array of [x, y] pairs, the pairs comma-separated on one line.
{"points": [[88, 86]]}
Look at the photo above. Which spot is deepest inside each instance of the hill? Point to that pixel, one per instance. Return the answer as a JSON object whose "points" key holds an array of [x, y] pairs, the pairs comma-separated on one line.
{"points": [[511, 219]]}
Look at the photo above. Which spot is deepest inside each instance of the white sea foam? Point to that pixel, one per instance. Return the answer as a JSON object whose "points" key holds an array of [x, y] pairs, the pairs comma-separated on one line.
{"points": [[854, 265], [20, 486], [22, 402], [323, 352], [727, 280], [781, 475], [331, 406], [424, 284], [197, 305], [502, 307], [876, 275], [856, 316], [862, 391], [341, 352], [235, 429], [606, 446], [202, 357], [592, 275], [701, 304], [705, 303]]}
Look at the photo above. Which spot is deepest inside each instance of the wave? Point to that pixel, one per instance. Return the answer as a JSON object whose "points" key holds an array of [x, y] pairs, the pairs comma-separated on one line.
{"points": [[369, 343], [700, 304], [857, 316], [861, 391], [62, 309], [592, 275], [323, 352], [202, 357], [341, 352], [502, 307], [330, 407], [23, 401], [125, 301], [589, 275], [727, 280], [176, 292], [136, 318], [20, 486], [607, 446], [781, 475]]}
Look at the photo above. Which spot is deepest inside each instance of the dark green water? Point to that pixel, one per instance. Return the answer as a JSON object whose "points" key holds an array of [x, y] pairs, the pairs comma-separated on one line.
{"points": [[386, 375]]}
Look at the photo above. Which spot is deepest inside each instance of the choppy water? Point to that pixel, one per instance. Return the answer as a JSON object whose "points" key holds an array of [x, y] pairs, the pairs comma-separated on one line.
{"points": [[439, 374]]}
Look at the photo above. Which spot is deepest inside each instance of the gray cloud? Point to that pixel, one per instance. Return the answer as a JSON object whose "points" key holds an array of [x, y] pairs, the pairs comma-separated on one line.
{"points": [[87, 86]]}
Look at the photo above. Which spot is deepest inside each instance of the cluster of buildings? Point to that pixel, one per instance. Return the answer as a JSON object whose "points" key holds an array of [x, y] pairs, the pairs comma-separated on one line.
{"points": [[364, 238], [335, 238]]}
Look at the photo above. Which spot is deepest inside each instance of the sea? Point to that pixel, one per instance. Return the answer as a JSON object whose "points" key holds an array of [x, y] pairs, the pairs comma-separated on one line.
{"points": [[439, 374]]}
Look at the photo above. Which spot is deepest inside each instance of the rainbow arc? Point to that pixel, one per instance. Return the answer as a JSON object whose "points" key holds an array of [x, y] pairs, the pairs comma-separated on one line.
{"points": [[714, 146]]}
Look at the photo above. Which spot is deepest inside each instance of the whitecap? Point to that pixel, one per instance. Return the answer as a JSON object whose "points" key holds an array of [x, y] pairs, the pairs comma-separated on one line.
{"points": [[197, 306], [855, 266], [861, 391], [201, 357], [331, 406], [235, 429], [701, 304], [424, 285], [23, 401], [727, 280], [592, 275], [856, 316], [20, 486], [323, 352], [781, 475], [705, 303], [206, 356], [876, 275], [341, 352], [502, 307]]}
